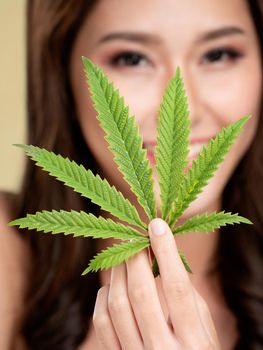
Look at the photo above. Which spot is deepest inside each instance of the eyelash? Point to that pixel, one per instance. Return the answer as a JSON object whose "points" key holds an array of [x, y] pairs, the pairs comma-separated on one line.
{"points": [[127, 58], [135, 59], [219, 55]]}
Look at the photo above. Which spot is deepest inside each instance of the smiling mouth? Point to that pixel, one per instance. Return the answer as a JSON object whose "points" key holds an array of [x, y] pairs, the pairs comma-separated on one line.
{"points": [[195, 149]]}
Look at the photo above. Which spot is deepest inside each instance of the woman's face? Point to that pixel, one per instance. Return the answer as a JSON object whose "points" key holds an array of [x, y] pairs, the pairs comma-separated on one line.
{"points": [[139, 44]]}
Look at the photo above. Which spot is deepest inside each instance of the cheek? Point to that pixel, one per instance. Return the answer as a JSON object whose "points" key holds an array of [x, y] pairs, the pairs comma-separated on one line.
{"points": [[211, 196], [237, 95], [142, 92]]}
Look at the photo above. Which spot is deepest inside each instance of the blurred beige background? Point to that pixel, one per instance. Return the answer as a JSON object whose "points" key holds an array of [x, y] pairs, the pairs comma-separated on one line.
{"points": [[12, 92]]}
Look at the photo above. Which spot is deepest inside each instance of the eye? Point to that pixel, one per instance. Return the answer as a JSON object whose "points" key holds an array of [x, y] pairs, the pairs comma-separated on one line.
{"points": [[221, 55], [129, 58]]}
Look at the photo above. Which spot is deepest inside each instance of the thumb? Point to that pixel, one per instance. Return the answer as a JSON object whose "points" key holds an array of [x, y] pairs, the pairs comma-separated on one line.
{"points": [[163, 245]]}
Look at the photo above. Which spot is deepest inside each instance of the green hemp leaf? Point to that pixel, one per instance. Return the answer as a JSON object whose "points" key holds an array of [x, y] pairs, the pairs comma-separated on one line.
{"points": [[178, 187]]}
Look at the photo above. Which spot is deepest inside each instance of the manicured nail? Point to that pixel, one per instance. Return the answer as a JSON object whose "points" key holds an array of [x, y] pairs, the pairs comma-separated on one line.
{"points": [[157, 227]]}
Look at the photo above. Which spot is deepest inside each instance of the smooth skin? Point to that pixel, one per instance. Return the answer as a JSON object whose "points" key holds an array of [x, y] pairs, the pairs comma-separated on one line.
{"points": [[129, 314], [15, 259]]}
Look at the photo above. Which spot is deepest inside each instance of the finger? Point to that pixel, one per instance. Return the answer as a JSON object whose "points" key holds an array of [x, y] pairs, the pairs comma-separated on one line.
{"points": [[103, 326], [177, 286], [146, 306], [121, 312], [207, 320]]}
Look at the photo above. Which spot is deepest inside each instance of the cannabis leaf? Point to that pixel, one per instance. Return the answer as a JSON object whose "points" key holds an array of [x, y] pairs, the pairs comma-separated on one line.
{"points": [[123, 137], [78, 224], [210, 222], [115, 255], [172, 140], [86, 183], [204, 167], [178, 189]]}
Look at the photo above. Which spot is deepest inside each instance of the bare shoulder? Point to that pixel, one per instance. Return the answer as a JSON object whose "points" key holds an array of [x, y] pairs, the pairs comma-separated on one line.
{"points": [[11, 244], [14, 268]]}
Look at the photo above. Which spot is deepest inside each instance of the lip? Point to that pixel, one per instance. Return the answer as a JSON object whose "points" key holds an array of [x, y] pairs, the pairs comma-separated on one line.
{"points": [[149, 146], [203, 139], [151, 157]]}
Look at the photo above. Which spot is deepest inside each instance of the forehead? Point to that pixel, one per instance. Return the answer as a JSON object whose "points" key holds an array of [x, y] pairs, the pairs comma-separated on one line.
{"points": [[167, 15]]}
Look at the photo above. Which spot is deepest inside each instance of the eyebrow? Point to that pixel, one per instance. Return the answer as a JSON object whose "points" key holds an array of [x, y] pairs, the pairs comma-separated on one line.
{"points": [[220, 32], [147, 38], [143, 38]]}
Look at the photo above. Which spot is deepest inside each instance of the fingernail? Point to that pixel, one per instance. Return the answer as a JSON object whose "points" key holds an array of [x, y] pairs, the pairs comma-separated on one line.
{"points": [[157, 227]]}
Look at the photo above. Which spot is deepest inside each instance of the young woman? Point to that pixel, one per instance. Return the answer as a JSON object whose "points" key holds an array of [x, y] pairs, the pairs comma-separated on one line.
{"points": [[45, 303]]}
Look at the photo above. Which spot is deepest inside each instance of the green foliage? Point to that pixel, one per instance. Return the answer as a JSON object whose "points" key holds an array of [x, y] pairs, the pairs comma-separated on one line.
{"points": [[203, 168], [172, 141], [185, 262], [86, 183], [178, 189], [123, 137], [210, 222], [115, 255], [78, 224]]}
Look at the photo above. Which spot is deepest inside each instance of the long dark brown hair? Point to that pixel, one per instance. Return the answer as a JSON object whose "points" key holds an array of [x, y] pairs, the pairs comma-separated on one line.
{"points": [[59, 301]]}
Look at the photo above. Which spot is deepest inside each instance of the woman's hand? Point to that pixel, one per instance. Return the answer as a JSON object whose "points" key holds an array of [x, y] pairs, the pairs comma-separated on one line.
{"points": [[134, 313]]}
